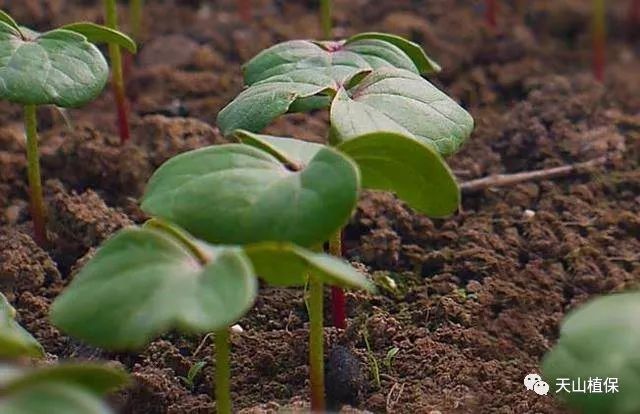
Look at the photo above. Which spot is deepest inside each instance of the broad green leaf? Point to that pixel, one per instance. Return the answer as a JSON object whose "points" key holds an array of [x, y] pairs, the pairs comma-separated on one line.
{"points": [[144, 282], [600, 339], [411, 169], [338, 60], [423, 63], [52, 398], [94, 378], [395, 100], [237, 194], [5, 18], [284, 264], [59, 67], [301, 75], [15, 341], [258, 105], [96, 33], [290, 151], [387, 161]]}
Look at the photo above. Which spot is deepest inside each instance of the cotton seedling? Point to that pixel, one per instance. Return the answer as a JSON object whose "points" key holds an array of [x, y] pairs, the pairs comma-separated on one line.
{"points": [[61, 67]]}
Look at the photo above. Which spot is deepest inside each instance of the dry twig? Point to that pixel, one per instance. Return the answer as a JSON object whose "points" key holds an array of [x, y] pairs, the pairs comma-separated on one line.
{"points": [[502, 180]]}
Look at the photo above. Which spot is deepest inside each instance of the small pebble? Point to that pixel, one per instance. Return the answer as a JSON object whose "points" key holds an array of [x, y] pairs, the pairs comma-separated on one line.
{"points": [[237, 329], [528, 214]]}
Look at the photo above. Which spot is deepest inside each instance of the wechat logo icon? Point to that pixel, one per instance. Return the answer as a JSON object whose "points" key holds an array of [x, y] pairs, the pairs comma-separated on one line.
{"points": [[533, 382]]}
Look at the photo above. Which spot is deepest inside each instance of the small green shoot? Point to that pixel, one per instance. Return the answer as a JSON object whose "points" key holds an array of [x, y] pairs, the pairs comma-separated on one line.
{"points": [[390, 357], [192, 374], [373, 361]]}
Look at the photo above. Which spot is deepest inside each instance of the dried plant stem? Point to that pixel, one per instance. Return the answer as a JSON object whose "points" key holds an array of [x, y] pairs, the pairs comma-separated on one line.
{"points": [[502, 180], [38, 214]]}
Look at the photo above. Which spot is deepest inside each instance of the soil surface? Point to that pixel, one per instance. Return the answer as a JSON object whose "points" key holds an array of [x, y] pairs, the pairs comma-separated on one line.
{"points": [[478, 297]]}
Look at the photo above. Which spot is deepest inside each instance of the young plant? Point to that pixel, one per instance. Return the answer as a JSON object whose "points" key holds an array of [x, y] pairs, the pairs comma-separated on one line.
{"points": [[598, 348], [146, 281], [599, 38], [61, 67], [117, 76], [65, 388], [371, 83]]}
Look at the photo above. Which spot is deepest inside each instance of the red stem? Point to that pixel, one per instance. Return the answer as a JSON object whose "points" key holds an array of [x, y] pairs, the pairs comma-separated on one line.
{"points": [[123, 109], [338, 307], [244, 10], [338, 300], [599, 39], [599, 46], [634, 15], [491, 12]]}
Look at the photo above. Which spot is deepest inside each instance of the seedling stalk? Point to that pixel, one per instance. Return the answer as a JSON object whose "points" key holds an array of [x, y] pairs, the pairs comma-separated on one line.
{"points": [[244, 10], [38, 214], [338, 301], [634, 16], [599, 39], [117, 74], [325, 18], [223, 372], [316, 345], [136, 7], [491, 12]]}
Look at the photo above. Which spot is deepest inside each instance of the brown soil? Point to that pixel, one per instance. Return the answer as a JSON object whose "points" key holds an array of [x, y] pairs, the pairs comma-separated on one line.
{"points": [[479, 296]]}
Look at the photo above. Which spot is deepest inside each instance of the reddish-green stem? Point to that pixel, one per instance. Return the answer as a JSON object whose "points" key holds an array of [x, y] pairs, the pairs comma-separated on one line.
{"points": [[634, 16], [599, 39], [117, 76], [491, 13], [245, 10], [38, 214], [338, 300], [223, 372], [316, 345]]}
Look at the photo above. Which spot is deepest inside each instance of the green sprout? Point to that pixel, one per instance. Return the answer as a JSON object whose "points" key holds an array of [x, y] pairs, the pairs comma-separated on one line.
{"points": [[390, 357], [192, 374], [187, 285], [598, 345], [374, 367], [61, 67], [64, 388]]}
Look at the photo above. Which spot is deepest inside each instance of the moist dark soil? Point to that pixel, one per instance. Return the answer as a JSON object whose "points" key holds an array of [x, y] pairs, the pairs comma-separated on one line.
{"points": [[478, 297]]}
